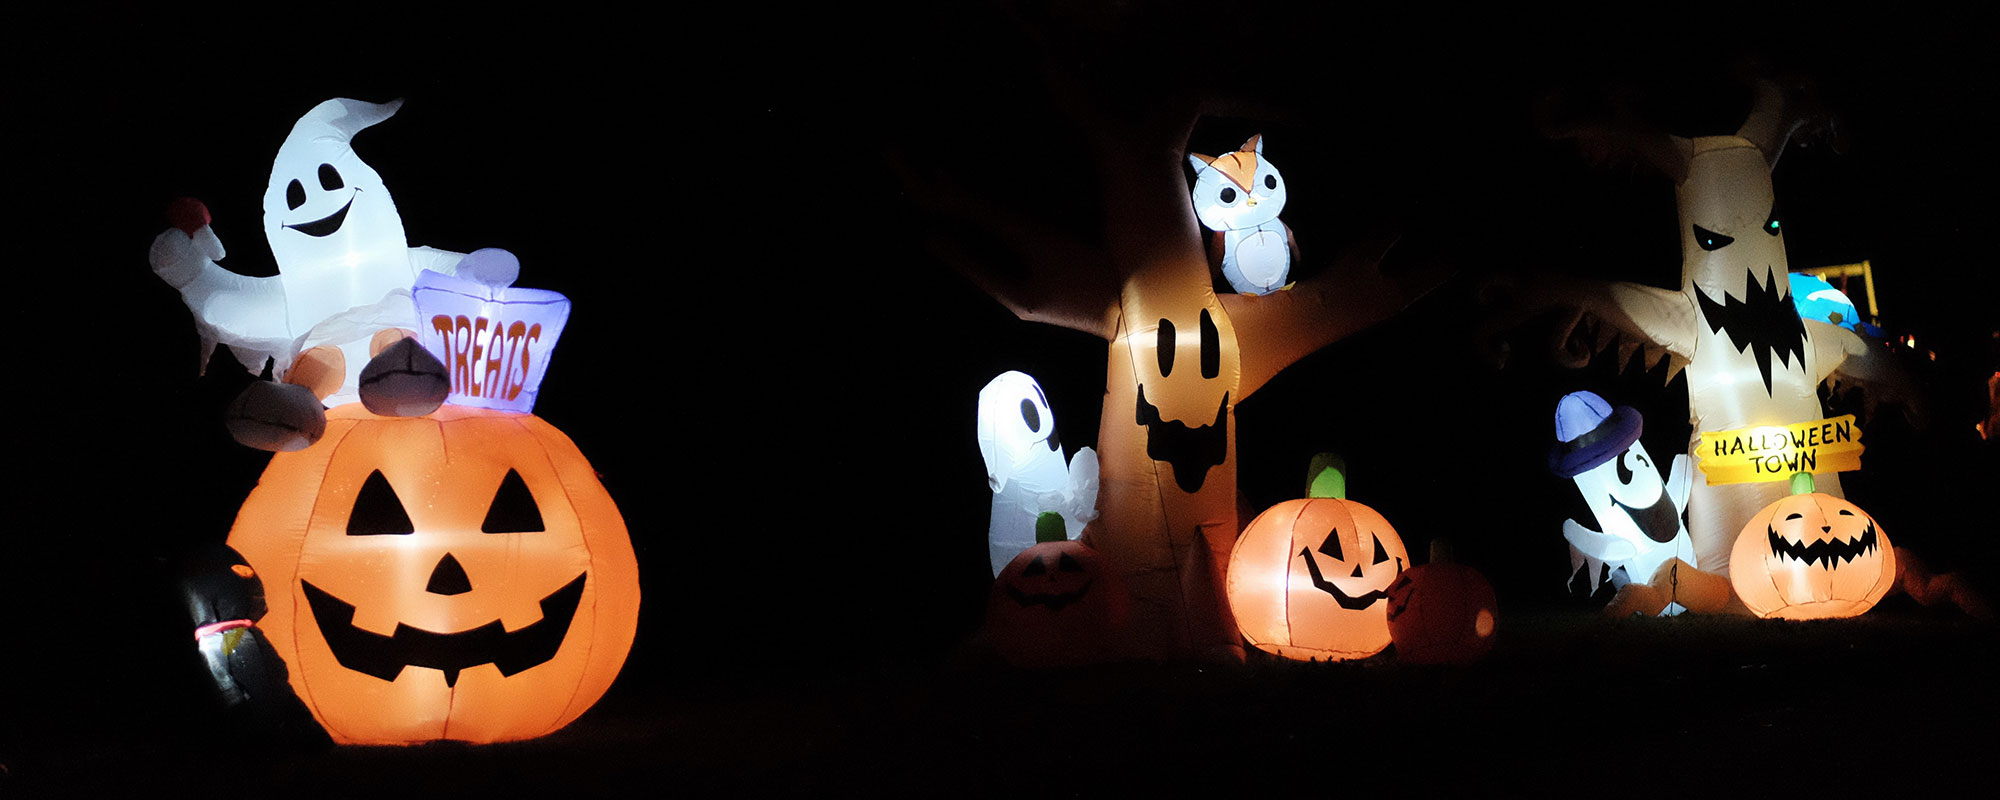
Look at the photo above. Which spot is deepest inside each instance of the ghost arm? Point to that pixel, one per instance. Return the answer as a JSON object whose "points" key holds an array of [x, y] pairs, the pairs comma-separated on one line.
{"points": [[1275, 330], [1597, 545], [241, 311], [1852, 361], [1680, 480], [435, 260]]}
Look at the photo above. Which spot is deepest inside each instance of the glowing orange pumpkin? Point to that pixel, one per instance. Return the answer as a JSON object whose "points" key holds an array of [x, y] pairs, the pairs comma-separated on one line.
{"points": [[456, 576], [1309, 578], [1811, 556]]}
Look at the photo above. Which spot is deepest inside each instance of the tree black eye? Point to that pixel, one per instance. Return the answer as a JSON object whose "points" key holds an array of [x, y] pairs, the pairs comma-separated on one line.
{"points": [[329, 178], [1270, 181], [1030, 416], [1228, 196], [1710, 240], [377, 510], [1771, 225], [514, 509], [1211, 347], [1166, 348], [1331, 546], [295, 195]]}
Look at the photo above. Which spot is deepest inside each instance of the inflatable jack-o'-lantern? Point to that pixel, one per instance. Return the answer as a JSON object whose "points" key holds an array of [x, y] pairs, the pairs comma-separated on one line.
{"points": [[1056, 604], [1811, 556], [1309, 579], [1442, 612], [462, 575]]}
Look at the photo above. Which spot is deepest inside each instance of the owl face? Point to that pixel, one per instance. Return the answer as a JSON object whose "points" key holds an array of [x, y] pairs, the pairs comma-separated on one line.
{"points": [[1237, 191]]}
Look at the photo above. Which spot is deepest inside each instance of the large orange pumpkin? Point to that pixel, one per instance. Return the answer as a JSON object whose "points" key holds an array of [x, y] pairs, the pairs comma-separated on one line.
{"points": [[462, 575], [1811, 556], [1309, 578]]}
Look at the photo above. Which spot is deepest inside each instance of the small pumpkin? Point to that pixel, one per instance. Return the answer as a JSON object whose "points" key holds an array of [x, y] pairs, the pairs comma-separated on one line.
{"points": [[1442, 612], [1811, 556], [461, 575], [1056, 604], [1309, 578]]}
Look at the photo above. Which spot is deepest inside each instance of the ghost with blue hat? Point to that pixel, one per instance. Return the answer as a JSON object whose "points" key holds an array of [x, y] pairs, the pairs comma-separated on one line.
{"points": [[1640, 519]]}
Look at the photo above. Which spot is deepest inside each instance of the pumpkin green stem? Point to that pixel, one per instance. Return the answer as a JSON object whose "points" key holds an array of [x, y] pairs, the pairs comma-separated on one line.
{"points": [[1326, 478], [1802, 483], [1049, 527]]}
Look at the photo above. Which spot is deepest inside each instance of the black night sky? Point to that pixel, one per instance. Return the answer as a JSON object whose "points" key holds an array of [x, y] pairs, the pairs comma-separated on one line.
{"points": [[775, 374]]}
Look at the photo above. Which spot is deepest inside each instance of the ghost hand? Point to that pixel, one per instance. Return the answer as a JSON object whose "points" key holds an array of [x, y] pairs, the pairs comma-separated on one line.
{"points": [[179, 257]]}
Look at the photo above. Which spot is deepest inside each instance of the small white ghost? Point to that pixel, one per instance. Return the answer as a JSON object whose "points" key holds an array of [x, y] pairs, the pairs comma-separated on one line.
{"points": [[1238, 195], [344, 268], [1640, 524], [1025, 467]]}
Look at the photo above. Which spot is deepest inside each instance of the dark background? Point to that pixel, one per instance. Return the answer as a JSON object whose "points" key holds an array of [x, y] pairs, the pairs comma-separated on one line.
{"points": [[776, 378]]}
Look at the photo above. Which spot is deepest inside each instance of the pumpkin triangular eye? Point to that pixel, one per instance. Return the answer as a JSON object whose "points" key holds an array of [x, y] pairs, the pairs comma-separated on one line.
{"points": [[1068, 564], [1331, 547], [514, 509], [377, 510], [1034, 568], [1381, 554]]}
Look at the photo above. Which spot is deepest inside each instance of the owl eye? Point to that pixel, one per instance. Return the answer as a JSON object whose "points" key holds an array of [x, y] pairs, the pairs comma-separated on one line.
{"points": [[329, 178], [1029, 415], [1710, 240], [1270, 181], [295, 195], [1228, 196]]}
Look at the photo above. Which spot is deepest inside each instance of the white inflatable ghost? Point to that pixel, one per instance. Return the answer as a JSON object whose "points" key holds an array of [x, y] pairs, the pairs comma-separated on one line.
{"points": [[344, 269], [1639, 523], [1025, 468], [1238, 195]]}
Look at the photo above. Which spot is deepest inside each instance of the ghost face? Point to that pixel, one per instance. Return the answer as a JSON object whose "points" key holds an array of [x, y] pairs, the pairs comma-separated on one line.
{"points": [[1629, 500], [1017, 436], [331, 224], [1187, 367], [1239, 190]]}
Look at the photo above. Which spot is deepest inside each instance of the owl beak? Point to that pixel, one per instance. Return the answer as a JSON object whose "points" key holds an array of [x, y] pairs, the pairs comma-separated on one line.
{"points": [[1252, 201]]}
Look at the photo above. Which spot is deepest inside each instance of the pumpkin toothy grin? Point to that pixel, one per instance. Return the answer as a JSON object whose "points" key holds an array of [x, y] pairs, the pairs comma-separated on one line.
{"points": [[385, 657], [1053, 601], [1191, 450], [1825, 550]]}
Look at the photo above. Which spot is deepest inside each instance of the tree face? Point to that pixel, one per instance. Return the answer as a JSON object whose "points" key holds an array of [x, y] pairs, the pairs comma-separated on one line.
{"points": [[1185, 367]]}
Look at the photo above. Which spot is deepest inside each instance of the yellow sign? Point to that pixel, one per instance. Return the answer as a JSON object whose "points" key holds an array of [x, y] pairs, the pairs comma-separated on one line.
{"points": [[1774, 452]]}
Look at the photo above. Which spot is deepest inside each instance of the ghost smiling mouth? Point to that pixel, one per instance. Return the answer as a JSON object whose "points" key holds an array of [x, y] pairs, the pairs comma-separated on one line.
{"points": [[324, 226]]}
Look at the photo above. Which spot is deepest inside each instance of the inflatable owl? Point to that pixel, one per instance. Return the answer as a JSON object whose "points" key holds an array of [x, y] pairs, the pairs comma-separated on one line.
{"points": [[1239, 195]]}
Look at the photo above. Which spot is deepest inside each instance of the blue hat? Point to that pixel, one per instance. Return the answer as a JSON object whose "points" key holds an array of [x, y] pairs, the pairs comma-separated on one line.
{"points": [[1590, 432]]}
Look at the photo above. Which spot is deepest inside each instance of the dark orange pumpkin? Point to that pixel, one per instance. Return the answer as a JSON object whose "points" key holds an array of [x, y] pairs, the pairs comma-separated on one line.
{"points": [[456, 576], [1441, 612], [1056, 604]]}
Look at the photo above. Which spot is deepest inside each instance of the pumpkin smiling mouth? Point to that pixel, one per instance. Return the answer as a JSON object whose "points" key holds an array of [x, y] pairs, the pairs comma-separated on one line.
{"points": [[1052, 601], [1346, 601], [385, 657]]}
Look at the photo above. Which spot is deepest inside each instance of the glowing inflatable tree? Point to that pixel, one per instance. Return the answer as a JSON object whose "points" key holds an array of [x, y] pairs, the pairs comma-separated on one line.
{"points": [[1749, 359], [1181, 358]]}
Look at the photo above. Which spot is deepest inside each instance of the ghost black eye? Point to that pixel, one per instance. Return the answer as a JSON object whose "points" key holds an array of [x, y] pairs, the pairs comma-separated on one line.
{"points": [[295, 195], [1270, 181], [1710, 240], [1030, 416], [329, 178], [1624, 473], [1228, 195]]}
